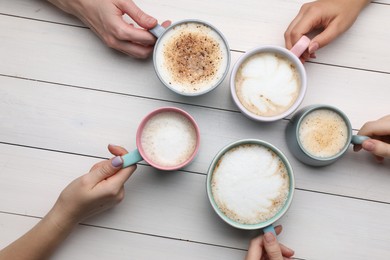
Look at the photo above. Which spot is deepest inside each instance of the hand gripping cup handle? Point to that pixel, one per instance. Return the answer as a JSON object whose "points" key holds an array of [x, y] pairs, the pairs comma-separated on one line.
{"points": [[131, 158], [302, 44], [184, 123], [157, 31], [269, 228]]}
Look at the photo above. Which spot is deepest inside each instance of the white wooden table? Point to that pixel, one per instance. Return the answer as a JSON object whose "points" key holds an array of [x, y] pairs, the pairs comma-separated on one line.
{"points": [[64, 96]]}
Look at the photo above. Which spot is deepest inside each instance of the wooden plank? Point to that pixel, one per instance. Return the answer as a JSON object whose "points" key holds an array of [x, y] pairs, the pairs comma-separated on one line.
{"points": [[85, 121], [87, 242], [68, 55], [175, 206], [363, 46]]}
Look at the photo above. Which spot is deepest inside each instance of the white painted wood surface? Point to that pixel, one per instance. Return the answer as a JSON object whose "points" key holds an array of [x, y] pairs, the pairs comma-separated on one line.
{"points": [[64, 96]]}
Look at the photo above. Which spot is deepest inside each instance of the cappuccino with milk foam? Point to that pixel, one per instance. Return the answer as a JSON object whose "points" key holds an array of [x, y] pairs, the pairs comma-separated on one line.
{"points": [[323, 133], [168, 139], [191, 57], [267, 84], [250, 184]]}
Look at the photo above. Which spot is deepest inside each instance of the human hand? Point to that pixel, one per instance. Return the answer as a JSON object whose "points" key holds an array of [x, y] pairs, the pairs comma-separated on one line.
{"points": [[379, 144], [266, 247], [96, 191], [105, 18], [332, 16]]}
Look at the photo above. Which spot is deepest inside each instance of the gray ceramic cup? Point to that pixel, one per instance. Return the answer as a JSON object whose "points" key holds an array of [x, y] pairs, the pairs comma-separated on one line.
{"points": [[266, 226], [196, 27], [297, 148]]}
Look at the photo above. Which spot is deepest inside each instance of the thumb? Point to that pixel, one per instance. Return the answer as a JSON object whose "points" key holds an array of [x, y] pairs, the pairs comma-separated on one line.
{"points": [[325, 37], [140, 17], [106, 169], [272, 247], [377, 147]]}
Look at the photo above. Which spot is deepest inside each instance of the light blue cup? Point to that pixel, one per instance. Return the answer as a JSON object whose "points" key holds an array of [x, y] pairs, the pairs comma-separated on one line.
{"points": [[266, 226], [296, 147]]}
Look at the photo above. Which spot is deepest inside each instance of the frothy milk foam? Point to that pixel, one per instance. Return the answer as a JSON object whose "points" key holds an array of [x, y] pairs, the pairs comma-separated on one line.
{"points": [[323, 133], [168, 139], [267, 84], [191, 57], [250, 184]]}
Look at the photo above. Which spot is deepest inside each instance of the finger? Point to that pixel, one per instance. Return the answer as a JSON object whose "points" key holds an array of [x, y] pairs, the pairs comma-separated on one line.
{"points": [[325, 37], [272, 246], [286, 251], [105, 170], [357, 147], [377, 147], [119, 179], [256, 246], [117, 150], [303, 26], [379, 127], [140, 17], [288, 33], [166, 23], [96, 165], [278, 229], [127, 32], [255, 250], [138, 36], [290, 29], [134, 50]]}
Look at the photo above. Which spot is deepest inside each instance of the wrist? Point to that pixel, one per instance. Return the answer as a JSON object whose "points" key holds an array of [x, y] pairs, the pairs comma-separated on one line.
{"points": [[60, 219]]}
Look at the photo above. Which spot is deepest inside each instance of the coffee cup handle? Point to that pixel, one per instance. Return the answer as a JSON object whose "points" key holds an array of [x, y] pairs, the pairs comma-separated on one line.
{"points": [[269, 228], [301, 45], [157, 31], [359, 139], [131, 158]]}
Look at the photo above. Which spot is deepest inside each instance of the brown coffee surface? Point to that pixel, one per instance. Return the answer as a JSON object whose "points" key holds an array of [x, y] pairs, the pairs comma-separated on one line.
{"points": [[192, 57], [323, 133]]}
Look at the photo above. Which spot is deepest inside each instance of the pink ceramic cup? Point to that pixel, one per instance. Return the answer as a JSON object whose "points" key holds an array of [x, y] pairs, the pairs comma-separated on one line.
{"points": [[168, 139]]}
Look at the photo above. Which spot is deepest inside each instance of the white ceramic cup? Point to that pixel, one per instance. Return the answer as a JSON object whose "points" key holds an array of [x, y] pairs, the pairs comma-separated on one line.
{"points": [[293, 57], [191, 57]]}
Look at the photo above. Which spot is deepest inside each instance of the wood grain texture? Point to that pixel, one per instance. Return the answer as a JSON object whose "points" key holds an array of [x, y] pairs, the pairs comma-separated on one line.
{"points": [[88, 242], [64, 96], [72, 56], [84, 121], [363, 46], [174, 205]]}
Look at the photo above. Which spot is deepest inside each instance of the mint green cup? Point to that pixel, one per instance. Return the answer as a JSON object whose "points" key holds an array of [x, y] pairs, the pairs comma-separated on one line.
{"points": [[267, 225]]}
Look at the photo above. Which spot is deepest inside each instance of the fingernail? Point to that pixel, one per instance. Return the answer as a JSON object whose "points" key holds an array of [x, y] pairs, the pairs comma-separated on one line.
{"points": [[150, 21], [269, 237], [313, 47], [368, 146], [117, 161]]}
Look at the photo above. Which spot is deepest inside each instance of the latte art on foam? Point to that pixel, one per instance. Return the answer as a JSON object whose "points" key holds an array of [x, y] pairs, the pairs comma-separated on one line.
{"points": [[168, 139], [323, 133], [267, 84], [250, 184], [192, 57]]}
